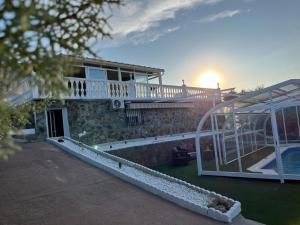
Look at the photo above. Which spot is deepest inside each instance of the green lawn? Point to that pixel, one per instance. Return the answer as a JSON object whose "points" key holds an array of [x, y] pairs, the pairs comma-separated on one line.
{"points": [[268, 202]]}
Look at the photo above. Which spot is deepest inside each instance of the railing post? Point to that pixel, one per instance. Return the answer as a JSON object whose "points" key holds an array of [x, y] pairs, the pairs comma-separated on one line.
{"points": [[35, 92], [162, 95], [184, 89], [132, 89]]}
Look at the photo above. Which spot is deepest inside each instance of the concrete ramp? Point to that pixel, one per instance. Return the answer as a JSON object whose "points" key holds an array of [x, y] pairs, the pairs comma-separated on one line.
{"points": [[180, 192]]}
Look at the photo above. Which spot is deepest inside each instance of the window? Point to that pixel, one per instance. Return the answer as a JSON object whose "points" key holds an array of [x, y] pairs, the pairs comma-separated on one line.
{"points": [[95, 73], [112, 75], [125, 76], [134, 117], [78, 72], [141, 78]]}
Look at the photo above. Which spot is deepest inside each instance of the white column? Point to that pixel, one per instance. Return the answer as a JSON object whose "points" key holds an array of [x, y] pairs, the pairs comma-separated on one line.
{"points": [[277, 146], [224, 149], [162, 95], [160, 80], [46, 121], [284, 127], [214, 141], [237, 142], [218, 138], [198, 153], [242, 140], [251, 139], [254, 133], [265, 130]]}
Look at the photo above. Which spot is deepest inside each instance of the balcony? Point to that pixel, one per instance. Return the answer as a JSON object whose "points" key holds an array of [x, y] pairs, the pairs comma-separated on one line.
{"points": [[81, 88]]}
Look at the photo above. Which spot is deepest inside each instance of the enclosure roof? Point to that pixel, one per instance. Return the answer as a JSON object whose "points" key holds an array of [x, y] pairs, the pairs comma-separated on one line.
{"points": [[260, 100], [276, 96]]}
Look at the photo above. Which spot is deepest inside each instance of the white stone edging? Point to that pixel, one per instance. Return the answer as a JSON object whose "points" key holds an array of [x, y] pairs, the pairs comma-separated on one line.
{"points": [[85, 154]]}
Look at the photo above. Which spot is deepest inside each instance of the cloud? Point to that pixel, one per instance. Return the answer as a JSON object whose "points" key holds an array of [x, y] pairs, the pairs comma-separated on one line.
{"points": [[139, 22], [151, 35], [139, 16], [221, 15]]}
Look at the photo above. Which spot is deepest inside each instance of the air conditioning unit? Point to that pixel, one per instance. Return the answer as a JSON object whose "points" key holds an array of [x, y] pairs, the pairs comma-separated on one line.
{"points": [[117, 104]]}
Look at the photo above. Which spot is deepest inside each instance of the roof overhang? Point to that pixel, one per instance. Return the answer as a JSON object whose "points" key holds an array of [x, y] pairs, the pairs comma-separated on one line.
{"points": [[133, 67]]}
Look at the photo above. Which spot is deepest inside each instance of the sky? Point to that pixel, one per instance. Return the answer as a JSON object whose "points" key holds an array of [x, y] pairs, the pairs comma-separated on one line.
{"points": [[244, 43]]}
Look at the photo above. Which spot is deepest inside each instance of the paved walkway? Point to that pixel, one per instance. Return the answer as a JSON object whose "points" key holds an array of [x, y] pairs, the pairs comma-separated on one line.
{"points": [[44, 185]]}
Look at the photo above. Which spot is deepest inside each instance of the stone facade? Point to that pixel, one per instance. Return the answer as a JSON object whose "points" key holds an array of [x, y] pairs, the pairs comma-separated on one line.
{"points": [[103, 124]]}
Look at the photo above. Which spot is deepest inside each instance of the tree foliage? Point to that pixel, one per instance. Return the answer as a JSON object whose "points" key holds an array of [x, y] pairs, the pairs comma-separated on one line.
{"points": [[35, 36]]}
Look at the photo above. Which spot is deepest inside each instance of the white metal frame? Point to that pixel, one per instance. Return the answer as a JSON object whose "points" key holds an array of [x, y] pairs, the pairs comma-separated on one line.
{"points": [[263, 104]]}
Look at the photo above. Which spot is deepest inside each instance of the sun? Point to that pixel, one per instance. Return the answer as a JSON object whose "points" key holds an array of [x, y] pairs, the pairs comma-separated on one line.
{"points": [[209, 79]]}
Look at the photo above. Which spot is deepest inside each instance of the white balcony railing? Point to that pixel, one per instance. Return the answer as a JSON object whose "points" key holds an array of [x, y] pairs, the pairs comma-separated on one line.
{"points": [[80, 88]]}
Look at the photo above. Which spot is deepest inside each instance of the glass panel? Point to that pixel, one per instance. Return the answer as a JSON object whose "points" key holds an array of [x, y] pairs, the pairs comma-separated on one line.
{"points": [[125, 76], [141, 78], [280, 126], [291, 124], [78, 72], [229, 162], [98, 74], [207, 154], [112, 75]]}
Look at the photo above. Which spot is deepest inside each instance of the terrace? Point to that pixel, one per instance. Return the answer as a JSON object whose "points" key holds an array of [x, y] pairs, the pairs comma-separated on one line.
{"points": [[99, 79]]}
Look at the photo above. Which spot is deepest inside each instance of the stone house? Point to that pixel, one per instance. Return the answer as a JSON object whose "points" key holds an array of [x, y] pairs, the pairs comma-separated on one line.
{"points": [[111, 101]]}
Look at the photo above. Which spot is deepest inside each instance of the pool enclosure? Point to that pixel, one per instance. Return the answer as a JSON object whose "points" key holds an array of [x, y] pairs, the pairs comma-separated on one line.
{"points": [[256, 135]]}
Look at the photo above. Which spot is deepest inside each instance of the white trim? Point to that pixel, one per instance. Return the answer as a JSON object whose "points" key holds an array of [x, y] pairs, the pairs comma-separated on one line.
{"points": [[237, 144], [214, 142], [29, 131], [65, 122], [46, 120], [277, 145], [240, 174]]}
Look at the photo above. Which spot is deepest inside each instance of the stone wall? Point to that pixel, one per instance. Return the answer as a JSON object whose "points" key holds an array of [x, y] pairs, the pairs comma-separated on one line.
{"points": [[151, 155], [105, 125]]}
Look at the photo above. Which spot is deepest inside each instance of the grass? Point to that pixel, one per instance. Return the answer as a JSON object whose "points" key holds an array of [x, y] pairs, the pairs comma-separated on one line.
{"points": [[265, 201]]}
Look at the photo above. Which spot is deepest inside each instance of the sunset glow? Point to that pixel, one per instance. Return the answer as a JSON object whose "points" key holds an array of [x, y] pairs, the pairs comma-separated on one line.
{"points": [[209, 79]]}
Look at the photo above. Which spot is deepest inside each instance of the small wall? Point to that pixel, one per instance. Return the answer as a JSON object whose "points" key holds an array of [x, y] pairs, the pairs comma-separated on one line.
{"points": [[151, 155]]}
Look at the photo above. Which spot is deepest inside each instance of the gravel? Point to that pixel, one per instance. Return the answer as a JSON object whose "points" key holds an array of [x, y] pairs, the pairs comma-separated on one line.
{"points": [[172, 188]]}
